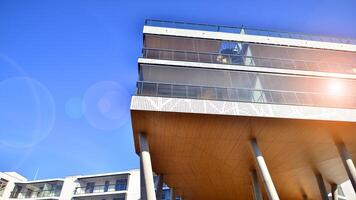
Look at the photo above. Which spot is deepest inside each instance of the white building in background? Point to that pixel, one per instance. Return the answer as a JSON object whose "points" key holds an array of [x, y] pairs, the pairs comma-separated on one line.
{"points": [[7, 183], [109, 186]]}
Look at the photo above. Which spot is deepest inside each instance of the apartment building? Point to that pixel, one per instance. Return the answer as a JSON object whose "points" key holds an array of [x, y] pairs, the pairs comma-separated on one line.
{"points": [[109, 186], [226, 112]]}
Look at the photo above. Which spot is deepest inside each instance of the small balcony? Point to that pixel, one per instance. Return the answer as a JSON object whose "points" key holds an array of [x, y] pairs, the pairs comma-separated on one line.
{"points": [[100, 189], [156, 89], [250, 61], [37, 190], [100, 186], [36, 194]]}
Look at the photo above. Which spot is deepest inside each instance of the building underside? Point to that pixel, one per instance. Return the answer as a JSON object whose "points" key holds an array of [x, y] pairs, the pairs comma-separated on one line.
{"points": [[209, 156]]}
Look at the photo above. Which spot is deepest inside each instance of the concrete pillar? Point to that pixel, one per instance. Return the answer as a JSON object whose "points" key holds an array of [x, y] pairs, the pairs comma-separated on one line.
{"points": [[159, 187], [147, 168], [142, 182], [348, 163], [173, 194], [256, 188], [334, 192], [262, 167], [321, 184]]}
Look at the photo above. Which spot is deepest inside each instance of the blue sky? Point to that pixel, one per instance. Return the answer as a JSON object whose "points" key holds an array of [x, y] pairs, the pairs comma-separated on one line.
{"points": [[68, 69]]}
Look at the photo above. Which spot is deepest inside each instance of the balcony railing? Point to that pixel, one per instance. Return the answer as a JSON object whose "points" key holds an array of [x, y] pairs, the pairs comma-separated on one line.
{"points": [[244, 95], [247, 61], [100, 189], [36, 194], [248, 31]]}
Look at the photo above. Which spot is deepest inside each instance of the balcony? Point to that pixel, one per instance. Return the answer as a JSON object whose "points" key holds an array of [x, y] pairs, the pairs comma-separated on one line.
{"points": [[251, 61], [248, 31], [156, 89], [36, 194], [100, 189]]}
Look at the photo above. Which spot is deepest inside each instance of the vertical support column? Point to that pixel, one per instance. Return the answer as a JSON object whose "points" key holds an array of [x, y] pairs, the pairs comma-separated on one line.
{"points": [[256, 188], [334, 192], [173, 194], [322, 189], [142, 182], [348, 163], [146, 167], [159, 187], [267, 180]]}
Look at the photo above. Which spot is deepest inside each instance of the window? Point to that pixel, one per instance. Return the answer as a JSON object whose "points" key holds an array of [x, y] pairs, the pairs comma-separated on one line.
{"points": [[3, 184], [16, 191], [106, 186], [28, 193], [90, 187], [120, 184]]}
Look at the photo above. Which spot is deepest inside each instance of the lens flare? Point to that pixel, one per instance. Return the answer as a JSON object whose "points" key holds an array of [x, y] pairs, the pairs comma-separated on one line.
{"points": [[107, 105], [336, 88]]}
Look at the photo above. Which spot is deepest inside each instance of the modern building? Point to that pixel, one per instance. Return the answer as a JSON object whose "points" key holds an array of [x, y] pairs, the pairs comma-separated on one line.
{"points": [[109, 186], [7, 183], [236, 113]]}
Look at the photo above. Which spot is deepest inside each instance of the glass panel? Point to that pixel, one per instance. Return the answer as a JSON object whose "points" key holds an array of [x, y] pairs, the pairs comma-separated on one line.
{"points": [[290, 98], [232, 93], [149, 89], [209, 93], [277, 97], [222, 94], [164, 90], [179, 91], [194, 92], [244, 95]]}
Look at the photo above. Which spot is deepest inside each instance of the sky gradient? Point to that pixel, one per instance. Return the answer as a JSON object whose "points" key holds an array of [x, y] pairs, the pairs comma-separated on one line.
{"points": [[68, 70]]}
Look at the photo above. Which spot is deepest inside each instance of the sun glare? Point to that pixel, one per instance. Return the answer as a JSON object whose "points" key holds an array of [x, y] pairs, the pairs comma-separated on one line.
{"points": [[336, 88]]}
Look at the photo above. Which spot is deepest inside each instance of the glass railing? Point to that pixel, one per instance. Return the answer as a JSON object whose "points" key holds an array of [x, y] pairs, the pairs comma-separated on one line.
{"points": [[100, 189], [249, 31], [248, 61], [36, 194], [244, 95]]}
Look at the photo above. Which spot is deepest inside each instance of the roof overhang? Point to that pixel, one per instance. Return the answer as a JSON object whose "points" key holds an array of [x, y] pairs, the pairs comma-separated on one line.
{"points": [[202, 147]]}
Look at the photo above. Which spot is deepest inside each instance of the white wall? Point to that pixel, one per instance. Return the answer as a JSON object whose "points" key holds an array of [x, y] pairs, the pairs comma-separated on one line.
{"points": [[134, 185]]}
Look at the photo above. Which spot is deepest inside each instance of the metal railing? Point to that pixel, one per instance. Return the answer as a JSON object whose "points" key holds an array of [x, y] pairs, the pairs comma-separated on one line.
{"points": [[36, 194], [100, 189], [145, 88], [247, 60], [248, 31]]}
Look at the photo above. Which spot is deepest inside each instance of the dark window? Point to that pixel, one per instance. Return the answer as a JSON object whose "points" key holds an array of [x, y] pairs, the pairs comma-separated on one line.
{"points": [[16, 191], [28, 193], [90, 187], [106, 186], [3, 184], [121, 184]]}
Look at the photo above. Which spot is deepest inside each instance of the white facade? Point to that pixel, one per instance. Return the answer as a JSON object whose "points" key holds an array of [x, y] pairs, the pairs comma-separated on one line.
{"points": [[109, 186]]}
